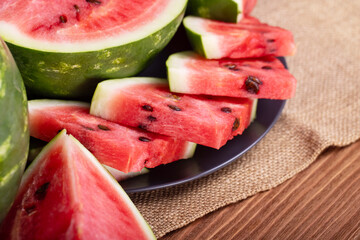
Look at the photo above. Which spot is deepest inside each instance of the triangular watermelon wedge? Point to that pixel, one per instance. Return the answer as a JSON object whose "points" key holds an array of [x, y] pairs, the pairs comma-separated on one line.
{"points": [[67, 194]]}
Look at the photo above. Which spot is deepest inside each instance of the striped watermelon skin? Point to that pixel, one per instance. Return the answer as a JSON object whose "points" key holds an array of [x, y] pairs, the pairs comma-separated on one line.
{"points": [[14, 133], [221, 10]]}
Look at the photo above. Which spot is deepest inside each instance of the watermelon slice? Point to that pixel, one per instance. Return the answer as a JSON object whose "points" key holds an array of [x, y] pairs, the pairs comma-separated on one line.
{"points": [[125, 149], [221, 10], [247, 39], [67, 194], [14, 132], [63, 49], [148, 104], [253, 78]]}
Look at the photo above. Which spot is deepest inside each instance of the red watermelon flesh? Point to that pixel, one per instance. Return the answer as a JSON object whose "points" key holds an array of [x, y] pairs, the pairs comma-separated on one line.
{"points": [[67, 194], [148, 104], [248, 6], [246, 39], [80, 20], [123, 148], [248, 78]]}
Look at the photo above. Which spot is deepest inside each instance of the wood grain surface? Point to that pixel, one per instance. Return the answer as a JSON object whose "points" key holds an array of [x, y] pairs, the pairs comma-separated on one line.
{"points": [[322, 202]]}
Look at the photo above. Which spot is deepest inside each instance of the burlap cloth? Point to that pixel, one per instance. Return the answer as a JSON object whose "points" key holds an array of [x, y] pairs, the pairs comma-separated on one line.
{"points": [[325, 112]]}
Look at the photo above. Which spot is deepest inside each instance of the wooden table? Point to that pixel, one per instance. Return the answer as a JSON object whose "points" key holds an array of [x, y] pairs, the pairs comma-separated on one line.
{"points": [[322, 202]]}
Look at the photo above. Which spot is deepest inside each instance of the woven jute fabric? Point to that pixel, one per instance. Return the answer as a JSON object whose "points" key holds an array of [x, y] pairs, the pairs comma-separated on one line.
{"points": [[325, 112]]}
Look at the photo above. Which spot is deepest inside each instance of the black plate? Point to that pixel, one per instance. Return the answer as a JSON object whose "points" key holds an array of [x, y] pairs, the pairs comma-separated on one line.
{"points": [[206, 160]]}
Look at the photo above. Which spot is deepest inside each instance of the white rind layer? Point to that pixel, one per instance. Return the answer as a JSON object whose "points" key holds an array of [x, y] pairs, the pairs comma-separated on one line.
{"points": [[240, 9], [253, 110], [119, 175], [177, 74], [106, 90], [190, 150], [45, 103], [11, 33], [210, 42]]}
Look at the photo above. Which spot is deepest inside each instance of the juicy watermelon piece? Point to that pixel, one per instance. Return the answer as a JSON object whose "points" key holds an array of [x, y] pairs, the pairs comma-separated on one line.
{"points": [[14, 133], [221, 10], [125, 149], [66, 194], [250, 78], [247, 39], [148, 104], [63, 49]]}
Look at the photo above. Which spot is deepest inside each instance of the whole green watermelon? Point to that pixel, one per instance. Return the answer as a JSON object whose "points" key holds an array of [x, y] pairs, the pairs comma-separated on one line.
{"points": [[14, 134]]}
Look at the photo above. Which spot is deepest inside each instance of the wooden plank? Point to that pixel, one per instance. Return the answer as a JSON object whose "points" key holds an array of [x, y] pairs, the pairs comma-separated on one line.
{"points": [[321, 202]]}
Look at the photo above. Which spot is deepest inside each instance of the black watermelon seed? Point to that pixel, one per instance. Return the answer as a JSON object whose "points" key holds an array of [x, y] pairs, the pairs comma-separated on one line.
{"points": [[226, 110], [94, 1], [144, 139], [142, 126], [30, 209], [252, 84], [40, 193], [88, 128], [266, 67], [270, 40], [102, 127], [63, 19], [59, 131], [236, 124], [147, 108], [232, 67], [151, 118], [175, 108]]}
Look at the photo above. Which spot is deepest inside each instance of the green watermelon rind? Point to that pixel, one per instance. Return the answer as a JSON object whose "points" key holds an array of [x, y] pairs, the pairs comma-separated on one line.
{"points": [[57, 74], [221, 10], [203, 42], [106, 174], [14, 132]]}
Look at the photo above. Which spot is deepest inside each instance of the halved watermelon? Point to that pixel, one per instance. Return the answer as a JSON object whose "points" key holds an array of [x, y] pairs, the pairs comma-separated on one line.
{"points": [[254, 78], [148, 104], [221, 10], [14, 132], [63, 49], [125, 149], [67, 194], [247, 39]]}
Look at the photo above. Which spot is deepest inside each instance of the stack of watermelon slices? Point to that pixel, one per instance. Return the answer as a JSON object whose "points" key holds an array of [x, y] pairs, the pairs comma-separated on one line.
{"points": [[210, 95], [209, 98]]}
